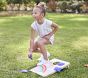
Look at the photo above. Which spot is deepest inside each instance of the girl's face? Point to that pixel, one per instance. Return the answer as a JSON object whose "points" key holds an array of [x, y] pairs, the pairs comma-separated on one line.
{"points": [[37, 15]]}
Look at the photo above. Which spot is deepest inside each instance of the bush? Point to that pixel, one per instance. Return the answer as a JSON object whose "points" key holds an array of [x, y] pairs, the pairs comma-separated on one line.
{"points": [[2, 5], [63, 7]]}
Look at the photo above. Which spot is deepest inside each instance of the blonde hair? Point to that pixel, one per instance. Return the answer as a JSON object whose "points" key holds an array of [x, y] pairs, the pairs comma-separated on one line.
{"points": [[42, 7], [42, 4]]}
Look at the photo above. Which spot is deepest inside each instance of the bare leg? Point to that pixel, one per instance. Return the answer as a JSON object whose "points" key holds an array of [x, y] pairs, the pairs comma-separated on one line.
{"points": [[86, 65], [35, 49], [41, 44]]}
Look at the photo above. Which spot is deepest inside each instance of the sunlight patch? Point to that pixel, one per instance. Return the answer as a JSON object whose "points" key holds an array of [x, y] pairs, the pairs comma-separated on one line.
{"points": [[3, 20], [61, 26], [79, 19], [82, 43], [1, 34], [21, 58]]}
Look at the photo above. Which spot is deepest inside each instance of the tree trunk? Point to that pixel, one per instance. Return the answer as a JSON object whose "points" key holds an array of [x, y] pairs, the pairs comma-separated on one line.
{"points": [[52, 5]]}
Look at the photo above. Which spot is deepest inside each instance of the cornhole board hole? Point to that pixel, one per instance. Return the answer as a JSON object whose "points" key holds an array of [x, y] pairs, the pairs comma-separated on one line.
{"points": [[57, 66]]}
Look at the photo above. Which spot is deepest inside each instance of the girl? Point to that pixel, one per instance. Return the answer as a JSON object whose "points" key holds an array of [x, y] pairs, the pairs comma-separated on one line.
{"points": [[45, 29]]}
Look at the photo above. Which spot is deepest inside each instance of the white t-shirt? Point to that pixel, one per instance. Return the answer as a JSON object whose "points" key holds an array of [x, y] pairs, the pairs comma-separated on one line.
{"points": [[43, 29]]}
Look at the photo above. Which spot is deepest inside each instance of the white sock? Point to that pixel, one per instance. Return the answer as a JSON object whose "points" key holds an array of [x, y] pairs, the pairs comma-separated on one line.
{"points": [[48, 54], [43, 61]]}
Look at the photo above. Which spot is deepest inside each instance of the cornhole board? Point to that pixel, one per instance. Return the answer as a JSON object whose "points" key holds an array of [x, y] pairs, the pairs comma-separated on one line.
{"points": [[60, 64]]}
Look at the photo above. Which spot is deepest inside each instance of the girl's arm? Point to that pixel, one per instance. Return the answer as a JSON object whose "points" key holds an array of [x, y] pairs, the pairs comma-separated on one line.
{"points": [[31, 43], [54, 29], [32, 39]]}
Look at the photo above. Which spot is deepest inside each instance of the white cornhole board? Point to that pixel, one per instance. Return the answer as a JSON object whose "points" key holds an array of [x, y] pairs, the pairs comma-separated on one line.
{"points": [[51, 70]]}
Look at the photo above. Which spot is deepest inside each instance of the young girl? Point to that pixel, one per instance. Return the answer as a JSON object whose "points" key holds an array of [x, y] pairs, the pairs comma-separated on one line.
{"points": [[45, 29]]}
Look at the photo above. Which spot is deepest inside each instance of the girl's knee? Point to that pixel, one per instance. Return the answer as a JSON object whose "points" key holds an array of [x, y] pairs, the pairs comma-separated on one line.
{"points": [[40, 43]]}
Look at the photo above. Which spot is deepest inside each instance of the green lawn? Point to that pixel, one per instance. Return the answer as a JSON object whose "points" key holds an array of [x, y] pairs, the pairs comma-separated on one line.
{"points": [[71, 44]]}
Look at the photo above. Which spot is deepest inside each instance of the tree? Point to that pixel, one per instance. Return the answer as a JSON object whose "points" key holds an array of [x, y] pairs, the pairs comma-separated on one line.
{"points": [[52, 5], [25, 2], [2, 4], [63, 7], [11, 3]]}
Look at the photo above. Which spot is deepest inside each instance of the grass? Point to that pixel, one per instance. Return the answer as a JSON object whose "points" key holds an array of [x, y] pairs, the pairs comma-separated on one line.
{"points": [[71, 44]]}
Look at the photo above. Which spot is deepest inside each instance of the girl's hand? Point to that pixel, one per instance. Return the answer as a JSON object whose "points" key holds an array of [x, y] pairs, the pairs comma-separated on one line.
{"points": [[47, 37], [30, 55]]}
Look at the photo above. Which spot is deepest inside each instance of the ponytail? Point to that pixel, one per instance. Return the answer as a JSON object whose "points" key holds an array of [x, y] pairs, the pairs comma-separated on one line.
{"points": [[42, 7]]}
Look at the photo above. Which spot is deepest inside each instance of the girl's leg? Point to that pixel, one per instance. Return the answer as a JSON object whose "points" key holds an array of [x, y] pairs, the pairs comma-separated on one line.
{"points": [[86, 65], [35, 49], [41, 44]]}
